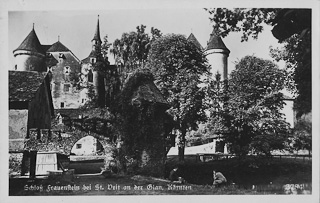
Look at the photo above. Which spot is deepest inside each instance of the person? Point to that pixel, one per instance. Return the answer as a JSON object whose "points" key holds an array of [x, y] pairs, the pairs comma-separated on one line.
{"points": [[218, 178], [174, 176]]}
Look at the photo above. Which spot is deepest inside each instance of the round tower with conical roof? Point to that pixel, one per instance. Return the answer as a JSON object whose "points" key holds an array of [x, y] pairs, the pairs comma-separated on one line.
{"points": [[30, 56], [217, 54]]}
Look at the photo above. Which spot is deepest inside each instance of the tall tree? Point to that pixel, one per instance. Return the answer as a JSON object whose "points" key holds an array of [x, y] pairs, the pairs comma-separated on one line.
{"points": [[177, 66], [251, 109], [290, 26], [131, 50], [111, 74]]}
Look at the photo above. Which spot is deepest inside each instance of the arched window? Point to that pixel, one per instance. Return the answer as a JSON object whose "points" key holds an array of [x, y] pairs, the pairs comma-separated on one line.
{"points": [[90, 76], [92, 60], [67, 71]]}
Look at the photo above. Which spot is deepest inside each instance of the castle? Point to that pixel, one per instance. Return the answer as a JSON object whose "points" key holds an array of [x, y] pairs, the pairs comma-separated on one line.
{"points": [[70, 77]]}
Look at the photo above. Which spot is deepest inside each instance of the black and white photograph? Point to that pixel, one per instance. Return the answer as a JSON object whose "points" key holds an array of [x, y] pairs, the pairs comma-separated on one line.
{"points": [[172, 99]]}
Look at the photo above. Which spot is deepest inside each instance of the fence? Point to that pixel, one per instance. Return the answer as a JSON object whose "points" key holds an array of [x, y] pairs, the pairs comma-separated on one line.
{"points": [[214, 157], [304, 157]]}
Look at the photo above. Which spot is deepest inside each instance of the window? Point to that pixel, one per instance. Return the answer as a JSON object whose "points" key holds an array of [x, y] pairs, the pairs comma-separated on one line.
{"points": [[90, 76], [61, 55], [49, 69], [78, 146], [92, 60], [67, 71], [15, 67], [66, 87], [62, 104]]}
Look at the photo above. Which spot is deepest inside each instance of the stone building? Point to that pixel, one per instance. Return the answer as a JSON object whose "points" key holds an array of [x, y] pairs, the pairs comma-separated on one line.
{"points": [[30, 106], [97, 72], [30, 103], [216, 53], [88, 145], [59, 62], [66, 92]]}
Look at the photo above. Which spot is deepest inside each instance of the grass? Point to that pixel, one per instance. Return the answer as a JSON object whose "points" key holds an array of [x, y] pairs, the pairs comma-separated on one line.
{"points": [[244, 174]]}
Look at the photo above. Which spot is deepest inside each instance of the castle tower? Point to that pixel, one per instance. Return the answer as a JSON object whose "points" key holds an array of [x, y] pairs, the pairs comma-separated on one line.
{"points": [[30, 56], [96, 41], [95, 56], [194, 40], [217, 54], [93, 65]]}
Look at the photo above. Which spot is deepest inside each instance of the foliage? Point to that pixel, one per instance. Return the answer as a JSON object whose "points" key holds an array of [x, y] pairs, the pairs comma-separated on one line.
{"points": [[177, 66], [302, 134], [251, 107], [290, 26], [105, 46], [132, 49], [142, 124], [297, 54]]}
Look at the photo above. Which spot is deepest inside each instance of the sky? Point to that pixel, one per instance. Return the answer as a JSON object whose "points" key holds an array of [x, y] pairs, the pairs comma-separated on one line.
{"points": [[76, 29]]}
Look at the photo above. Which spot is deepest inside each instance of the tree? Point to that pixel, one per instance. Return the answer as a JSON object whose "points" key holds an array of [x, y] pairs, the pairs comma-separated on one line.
{"points": [[251, 107], [302, 134], [177, 66], [297, 53], [132, 49], [290, 26]]}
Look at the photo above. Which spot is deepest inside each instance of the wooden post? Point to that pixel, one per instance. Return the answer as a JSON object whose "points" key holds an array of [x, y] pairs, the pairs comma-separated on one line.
{"points": [[33, 161]]}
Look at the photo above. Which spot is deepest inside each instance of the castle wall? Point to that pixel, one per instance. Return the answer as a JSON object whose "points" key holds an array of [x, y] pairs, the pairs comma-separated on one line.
{"points": [[65, 78], [17, 129], [29, 61], [289, 112], [218, 60], [85, 146]]}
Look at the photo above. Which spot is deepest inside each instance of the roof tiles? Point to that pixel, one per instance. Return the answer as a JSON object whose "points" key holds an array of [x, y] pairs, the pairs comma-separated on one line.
{"points": [[58, 47], [194, 40], [31, 43], [215, 42], [23, 85]]}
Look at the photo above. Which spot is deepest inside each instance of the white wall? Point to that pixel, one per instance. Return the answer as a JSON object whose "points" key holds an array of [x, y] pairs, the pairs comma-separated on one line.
{"points": [[289, 113], [88, 146]]}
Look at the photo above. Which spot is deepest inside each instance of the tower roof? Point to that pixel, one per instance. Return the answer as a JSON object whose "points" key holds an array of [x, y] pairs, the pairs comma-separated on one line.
{"points": [[97, 33], [58, 47], [31, 43], [215, 42], [194, 40]]}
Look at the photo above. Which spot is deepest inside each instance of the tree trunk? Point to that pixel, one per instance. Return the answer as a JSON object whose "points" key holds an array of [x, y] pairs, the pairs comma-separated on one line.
{"points": [[181, 153], [181, 145]]}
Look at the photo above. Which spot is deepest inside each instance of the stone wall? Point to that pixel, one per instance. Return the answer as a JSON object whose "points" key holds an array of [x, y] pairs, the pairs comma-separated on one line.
{"points": [[15, 163], [44, 140], [64, 88], [29, 61], [17, 129]]}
